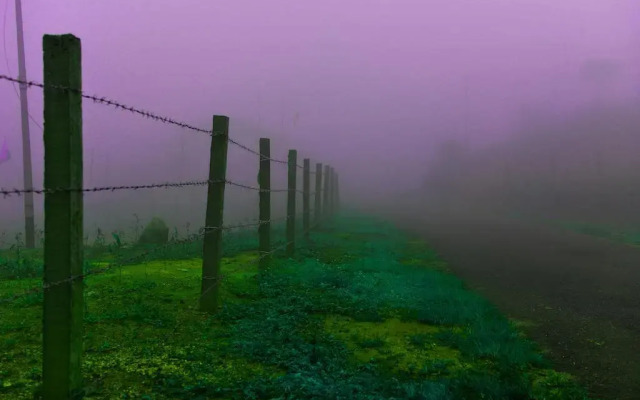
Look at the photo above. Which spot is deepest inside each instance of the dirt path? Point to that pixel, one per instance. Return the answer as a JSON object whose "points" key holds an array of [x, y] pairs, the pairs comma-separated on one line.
{"points": [[581, 294]]}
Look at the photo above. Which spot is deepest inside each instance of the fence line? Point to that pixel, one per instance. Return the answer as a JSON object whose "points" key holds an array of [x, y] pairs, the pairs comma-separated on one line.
{"points": [[62, 307]]}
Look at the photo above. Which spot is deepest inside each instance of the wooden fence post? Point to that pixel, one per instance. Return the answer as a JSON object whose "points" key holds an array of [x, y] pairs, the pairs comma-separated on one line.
{"points": [[326, 193], [212, 243], [337, 193], [63, 219], [291, 202], [331, 192], [264, 180], [317, 205], [306, 175]]}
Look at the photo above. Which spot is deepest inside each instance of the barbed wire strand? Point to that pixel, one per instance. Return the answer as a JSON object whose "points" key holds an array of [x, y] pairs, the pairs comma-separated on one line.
{"points": [[8, 192], [144, 113], [109, 102]]}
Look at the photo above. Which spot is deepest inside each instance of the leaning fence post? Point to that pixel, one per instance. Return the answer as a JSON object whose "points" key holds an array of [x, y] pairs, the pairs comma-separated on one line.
{"points": [[212, 242], [325, 194], [291, 202], [264, 181], [317, 205], [63, 219], [306, 175]]}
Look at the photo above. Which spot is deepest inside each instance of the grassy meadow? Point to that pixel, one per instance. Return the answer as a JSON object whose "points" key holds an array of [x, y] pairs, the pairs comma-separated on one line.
{"points": [[361, 312]]}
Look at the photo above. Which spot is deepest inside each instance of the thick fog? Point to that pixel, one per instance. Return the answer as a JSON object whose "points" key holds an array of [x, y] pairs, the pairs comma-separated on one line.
{"points": [[509, 106]]}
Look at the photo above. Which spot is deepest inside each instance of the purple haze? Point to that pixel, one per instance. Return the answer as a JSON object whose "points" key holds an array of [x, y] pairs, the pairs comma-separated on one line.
{"points": [[371, 87]]}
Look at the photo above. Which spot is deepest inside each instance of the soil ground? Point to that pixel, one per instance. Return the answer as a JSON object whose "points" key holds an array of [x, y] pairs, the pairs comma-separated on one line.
{"points": [[579, 295]]}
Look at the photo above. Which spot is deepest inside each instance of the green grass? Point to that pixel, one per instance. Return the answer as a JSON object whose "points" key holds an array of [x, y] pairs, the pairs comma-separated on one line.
{"points": [[363, 312], [627, 235]]}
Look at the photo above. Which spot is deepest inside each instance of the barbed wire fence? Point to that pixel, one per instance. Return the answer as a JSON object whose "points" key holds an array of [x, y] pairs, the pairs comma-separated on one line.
{"points": [[64, 272]]}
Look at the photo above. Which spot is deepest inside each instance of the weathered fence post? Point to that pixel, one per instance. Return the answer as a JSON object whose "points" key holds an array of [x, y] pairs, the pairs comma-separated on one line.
{"points": [[291, 202], [212, 242], [63, 219], [331, 191], [264, 181], [317, 204], [334, 197], [337, 193], [327, 192], [306, 216], [334, 192]]}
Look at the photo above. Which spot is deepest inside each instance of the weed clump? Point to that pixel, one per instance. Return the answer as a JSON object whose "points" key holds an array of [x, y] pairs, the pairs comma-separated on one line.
{"points": [[156, 232]]}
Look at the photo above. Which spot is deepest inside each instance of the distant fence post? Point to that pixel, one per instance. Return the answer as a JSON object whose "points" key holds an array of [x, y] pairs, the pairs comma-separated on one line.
{"points": [[291, 202], [63, 219], [325, 194], [334, 178], [212, 243], [332, 198], [306, 216], [317, 204], [264, 180], [333, 192], [337, 193]]}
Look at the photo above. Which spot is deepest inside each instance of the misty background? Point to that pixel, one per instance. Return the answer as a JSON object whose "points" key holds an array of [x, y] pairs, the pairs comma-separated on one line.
{"points": [[503, 107]]}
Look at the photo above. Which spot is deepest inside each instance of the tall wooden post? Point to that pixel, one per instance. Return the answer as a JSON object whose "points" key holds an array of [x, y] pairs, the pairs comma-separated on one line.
{"points": [[306, 216], [317, 204], [337, 193], [331, 191], [327, 192], [264, 180], [29, 222], [291, 202], [332, 180], [212, 243], [63, 219]]}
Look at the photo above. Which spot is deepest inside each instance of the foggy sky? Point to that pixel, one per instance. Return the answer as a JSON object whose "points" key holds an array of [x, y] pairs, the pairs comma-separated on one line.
{"points": [[368, 86]]}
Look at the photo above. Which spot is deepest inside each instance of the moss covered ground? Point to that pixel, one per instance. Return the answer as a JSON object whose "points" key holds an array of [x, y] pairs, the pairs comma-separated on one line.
{"points": [[361, 312]]}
